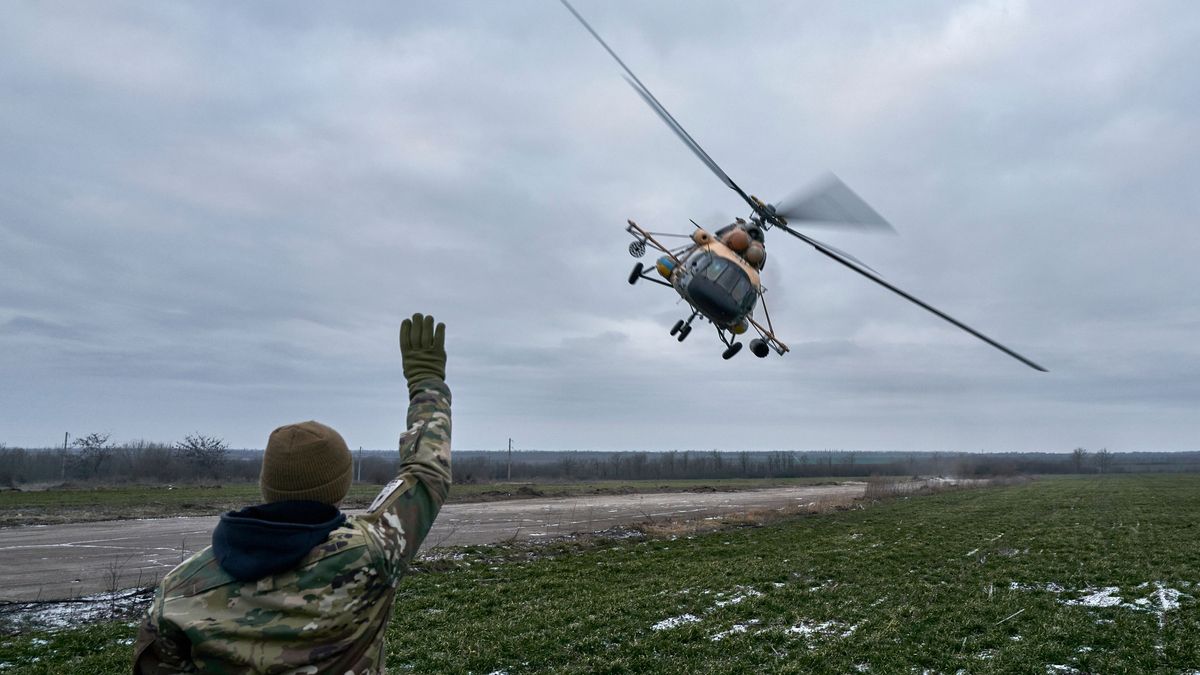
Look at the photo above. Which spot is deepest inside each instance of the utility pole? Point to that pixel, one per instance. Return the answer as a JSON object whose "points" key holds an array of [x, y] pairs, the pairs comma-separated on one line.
{"points": [[66, 435], [509, 459]]}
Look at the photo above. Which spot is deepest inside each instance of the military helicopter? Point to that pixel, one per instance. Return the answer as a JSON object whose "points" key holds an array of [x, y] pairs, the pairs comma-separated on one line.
{"points": [[718, 273]]}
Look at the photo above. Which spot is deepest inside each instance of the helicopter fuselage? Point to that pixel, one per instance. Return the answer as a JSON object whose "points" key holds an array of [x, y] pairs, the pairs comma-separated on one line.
{"points": [[718, 276], [717, 282]]}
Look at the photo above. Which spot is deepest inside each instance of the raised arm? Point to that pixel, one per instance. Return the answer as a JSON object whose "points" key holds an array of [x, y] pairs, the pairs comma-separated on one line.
{"points": [[402, 514]]}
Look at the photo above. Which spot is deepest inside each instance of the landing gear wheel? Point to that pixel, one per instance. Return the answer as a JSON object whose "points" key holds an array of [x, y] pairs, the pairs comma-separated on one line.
{"points": [[733, 349], [636, 273], [684, 332], [759, 348], [677, 327]]}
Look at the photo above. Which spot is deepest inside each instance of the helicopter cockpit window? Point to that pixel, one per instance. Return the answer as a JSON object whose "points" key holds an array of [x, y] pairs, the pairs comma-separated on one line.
{"points": [[730, 277], [714, 270], [699, 262], [742, 291]]}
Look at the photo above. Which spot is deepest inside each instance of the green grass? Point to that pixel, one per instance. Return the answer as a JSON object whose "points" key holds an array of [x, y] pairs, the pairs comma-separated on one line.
{"points": [[48, 507], [925, 583], [100, 648]]}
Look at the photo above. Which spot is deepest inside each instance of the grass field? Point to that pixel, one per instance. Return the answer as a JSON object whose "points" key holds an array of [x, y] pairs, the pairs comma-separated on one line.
{"points": [[49, 507], [1055, 576]]}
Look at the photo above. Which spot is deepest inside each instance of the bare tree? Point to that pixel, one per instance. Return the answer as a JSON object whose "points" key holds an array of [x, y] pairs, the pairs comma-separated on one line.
{"points": [[205, 453], [94, 450], [1104, 459], [1077, 457]]}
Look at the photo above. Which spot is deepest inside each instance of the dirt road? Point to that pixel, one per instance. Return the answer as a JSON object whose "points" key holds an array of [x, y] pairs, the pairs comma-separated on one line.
{"points": [[63, 561]]}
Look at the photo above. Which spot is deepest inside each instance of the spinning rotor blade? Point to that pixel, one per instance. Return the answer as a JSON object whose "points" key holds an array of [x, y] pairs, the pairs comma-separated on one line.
{"points": [[666, 117], [830, 202], [843, 254], [684, 136], [850, 263]]}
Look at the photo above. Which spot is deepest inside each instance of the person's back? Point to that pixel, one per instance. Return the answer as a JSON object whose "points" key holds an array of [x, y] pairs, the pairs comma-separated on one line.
{"points": [[294, 585]]}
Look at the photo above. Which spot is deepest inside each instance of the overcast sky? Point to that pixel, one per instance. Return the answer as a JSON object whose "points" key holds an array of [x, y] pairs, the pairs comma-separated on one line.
{"points": [[213, 217]]}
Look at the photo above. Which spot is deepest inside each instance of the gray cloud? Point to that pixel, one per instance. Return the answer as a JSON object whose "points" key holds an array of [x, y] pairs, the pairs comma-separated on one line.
{"points": [[214, 218]]}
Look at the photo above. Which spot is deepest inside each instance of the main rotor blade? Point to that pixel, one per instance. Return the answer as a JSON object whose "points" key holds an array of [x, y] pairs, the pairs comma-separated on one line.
{"points": [[829, 201], [661, 111], [834, 255], [685, 137], [843, 254]]}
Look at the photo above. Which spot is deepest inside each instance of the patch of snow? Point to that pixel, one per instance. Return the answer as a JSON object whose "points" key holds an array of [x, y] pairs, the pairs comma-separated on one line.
{"points": [[1097, 597], [971, 553], [675, 621], [823, 629], [862, 667], [745, 593], [735, 628], [54, 615], [39, 642], [1055, 669], [1167, 599], [436, 555], [1049, 588], [986, 654], [1161, 600]]}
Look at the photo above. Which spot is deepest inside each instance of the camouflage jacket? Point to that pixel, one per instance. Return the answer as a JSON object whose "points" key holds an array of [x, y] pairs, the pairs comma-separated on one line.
{"points": [[327, 614]]}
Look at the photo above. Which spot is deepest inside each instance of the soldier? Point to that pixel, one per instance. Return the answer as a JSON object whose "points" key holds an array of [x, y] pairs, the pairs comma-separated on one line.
{"points": [[294, 585]]}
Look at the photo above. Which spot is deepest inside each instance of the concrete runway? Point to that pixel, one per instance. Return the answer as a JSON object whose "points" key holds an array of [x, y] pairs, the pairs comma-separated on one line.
{"points": [[65, 561]]}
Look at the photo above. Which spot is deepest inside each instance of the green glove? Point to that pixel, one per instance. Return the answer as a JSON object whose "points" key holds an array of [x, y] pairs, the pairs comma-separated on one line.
{"points": [[422, 350]]}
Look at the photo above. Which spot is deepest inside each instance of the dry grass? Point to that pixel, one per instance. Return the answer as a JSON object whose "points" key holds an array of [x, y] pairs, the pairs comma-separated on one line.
{"points": [[878, 489], [673, 527]]}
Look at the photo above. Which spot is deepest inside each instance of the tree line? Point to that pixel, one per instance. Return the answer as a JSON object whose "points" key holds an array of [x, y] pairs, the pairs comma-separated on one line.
{"points": [[689, 464], [94, 459]]}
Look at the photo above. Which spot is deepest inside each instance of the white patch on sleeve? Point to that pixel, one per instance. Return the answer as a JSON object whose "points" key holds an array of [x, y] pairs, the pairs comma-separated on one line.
{"points": [[384, 494]]}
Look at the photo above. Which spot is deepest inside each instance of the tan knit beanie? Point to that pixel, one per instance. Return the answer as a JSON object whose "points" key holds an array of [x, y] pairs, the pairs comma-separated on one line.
{"points": [[306, 461]]}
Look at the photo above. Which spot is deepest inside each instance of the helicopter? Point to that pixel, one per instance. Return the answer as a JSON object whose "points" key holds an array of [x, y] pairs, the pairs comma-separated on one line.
{"points": [[718, 273]]}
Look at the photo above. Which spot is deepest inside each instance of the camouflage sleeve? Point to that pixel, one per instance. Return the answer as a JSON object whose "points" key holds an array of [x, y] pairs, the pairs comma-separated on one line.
{"points": [[161, 648], [402, 514]]}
